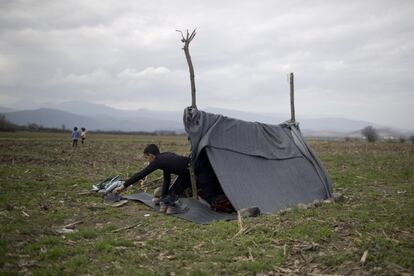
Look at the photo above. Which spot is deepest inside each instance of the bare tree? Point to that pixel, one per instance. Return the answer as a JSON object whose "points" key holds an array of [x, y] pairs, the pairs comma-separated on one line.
{"points": [[186, 39], [370, 133]]}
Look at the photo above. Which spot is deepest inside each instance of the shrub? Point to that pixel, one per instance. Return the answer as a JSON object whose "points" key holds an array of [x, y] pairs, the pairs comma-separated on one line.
{"points": [[370, 133], [5, 125]]}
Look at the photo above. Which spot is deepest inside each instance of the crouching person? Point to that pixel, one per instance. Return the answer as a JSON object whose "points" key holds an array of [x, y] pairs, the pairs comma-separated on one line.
{"points": [[169, 163]]}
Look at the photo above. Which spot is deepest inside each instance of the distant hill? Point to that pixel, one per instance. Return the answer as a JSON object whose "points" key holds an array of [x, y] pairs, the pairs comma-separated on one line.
{"points": [[324, 133], [341, 125], [95, 110], [56, 119], [5, 109], [102, 117], [49, 118]]}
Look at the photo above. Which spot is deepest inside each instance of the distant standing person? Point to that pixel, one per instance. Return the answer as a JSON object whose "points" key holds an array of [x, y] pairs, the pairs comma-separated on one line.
{"points": [[75, 137], [83, 135]]}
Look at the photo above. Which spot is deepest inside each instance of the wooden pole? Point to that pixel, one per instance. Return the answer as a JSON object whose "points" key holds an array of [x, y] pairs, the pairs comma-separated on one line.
{"points": [[191, 69], [292, 98], [193, 181], [186, 40]]}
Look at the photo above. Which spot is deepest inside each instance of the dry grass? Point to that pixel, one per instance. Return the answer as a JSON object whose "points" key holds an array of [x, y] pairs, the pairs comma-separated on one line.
{"points": [[43, 180]]}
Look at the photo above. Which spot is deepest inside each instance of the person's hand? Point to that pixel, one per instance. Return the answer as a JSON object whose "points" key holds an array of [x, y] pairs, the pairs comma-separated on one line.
{"points": [[119, 189]]}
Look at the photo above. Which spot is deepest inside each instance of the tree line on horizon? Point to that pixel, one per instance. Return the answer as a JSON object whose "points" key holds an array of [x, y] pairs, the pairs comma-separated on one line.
{"points": [[371, 135]]}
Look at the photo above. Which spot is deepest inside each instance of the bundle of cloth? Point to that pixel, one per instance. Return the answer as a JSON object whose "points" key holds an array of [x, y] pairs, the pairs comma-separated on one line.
{"points": [[108, 185]]}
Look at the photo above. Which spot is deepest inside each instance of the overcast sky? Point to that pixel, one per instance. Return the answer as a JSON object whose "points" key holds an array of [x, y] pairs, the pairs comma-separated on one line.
{"points": [[351, 59]]}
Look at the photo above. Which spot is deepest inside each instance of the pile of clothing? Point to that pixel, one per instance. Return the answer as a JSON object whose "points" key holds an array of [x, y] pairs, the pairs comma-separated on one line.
{"points": [[108, 185]]}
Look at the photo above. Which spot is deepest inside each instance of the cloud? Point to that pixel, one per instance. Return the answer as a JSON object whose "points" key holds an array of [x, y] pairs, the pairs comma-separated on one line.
{"points": [[147, 73], [351, 59]]}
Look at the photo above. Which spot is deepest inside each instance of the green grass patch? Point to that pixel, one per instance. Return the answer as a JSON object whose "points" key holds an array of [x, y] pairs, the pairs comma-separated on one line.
{"points": [[41, 191]]}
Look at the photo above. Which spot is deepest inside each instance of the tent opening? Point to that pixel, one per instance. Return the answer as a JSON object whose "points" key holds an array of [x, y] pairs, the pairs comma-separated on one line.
{"points": [[209, 186]]}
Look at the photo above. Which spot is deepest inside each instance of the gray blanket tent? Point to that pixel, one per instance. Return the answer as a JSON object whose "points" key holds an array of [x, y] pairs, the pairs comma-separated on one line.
{"points": [[262, 165]]}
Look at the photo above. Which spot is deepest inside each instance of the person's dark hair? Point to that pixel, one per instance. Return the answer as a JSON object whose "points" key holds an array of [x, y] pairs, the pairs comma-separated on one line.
{"points": [[152, 149], [75, 128], [83, 129]]}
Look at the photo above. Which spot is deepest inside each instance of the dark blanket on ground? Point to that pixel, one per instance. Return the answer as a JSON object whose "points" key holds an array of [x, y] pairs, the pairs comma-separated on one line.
{"points": [[193, 210]]}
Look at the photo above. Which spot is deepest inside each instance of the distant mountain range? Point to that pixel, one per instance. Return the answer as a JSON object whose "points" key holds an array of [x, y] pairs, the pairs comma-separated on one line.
{"points": [[55, 118], [102, 117], [5, 109]]}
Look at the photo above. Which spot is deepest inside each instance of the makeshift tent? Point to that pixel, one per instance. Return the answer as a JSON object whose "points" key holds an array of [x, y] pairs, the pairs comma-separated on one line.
{"points": [[261, 165]]}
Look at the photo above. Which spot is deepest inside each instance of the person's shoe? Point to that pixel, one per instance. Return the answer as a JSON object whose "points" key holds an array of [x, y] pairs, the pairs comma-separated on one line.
{"points": [[171, 210], [163, 207], [156, 200]]}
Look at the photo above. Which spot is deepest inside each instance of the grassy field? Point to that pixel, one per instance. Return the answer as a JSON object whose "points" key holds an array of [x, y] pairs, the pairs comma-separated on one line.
{"points": [[42, 188]]}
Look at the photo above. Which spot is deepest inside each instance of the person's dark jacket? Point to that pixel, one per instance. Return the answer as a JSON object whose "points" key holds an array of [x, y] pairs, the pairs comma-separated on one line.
{"points": [[169, 162]]}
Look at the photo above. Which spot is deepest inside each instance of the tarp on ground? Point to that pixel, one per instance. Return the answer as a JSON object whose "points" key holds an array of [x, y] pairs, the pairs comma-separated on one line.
{"points": [[193, 210], [262, 165]]}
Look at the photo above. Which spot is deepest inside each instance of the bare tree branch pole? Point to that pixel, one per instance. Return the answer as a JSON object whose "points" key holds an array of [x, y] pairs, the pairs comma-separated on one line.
{"points": [[292, 98], [186, 40]]}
